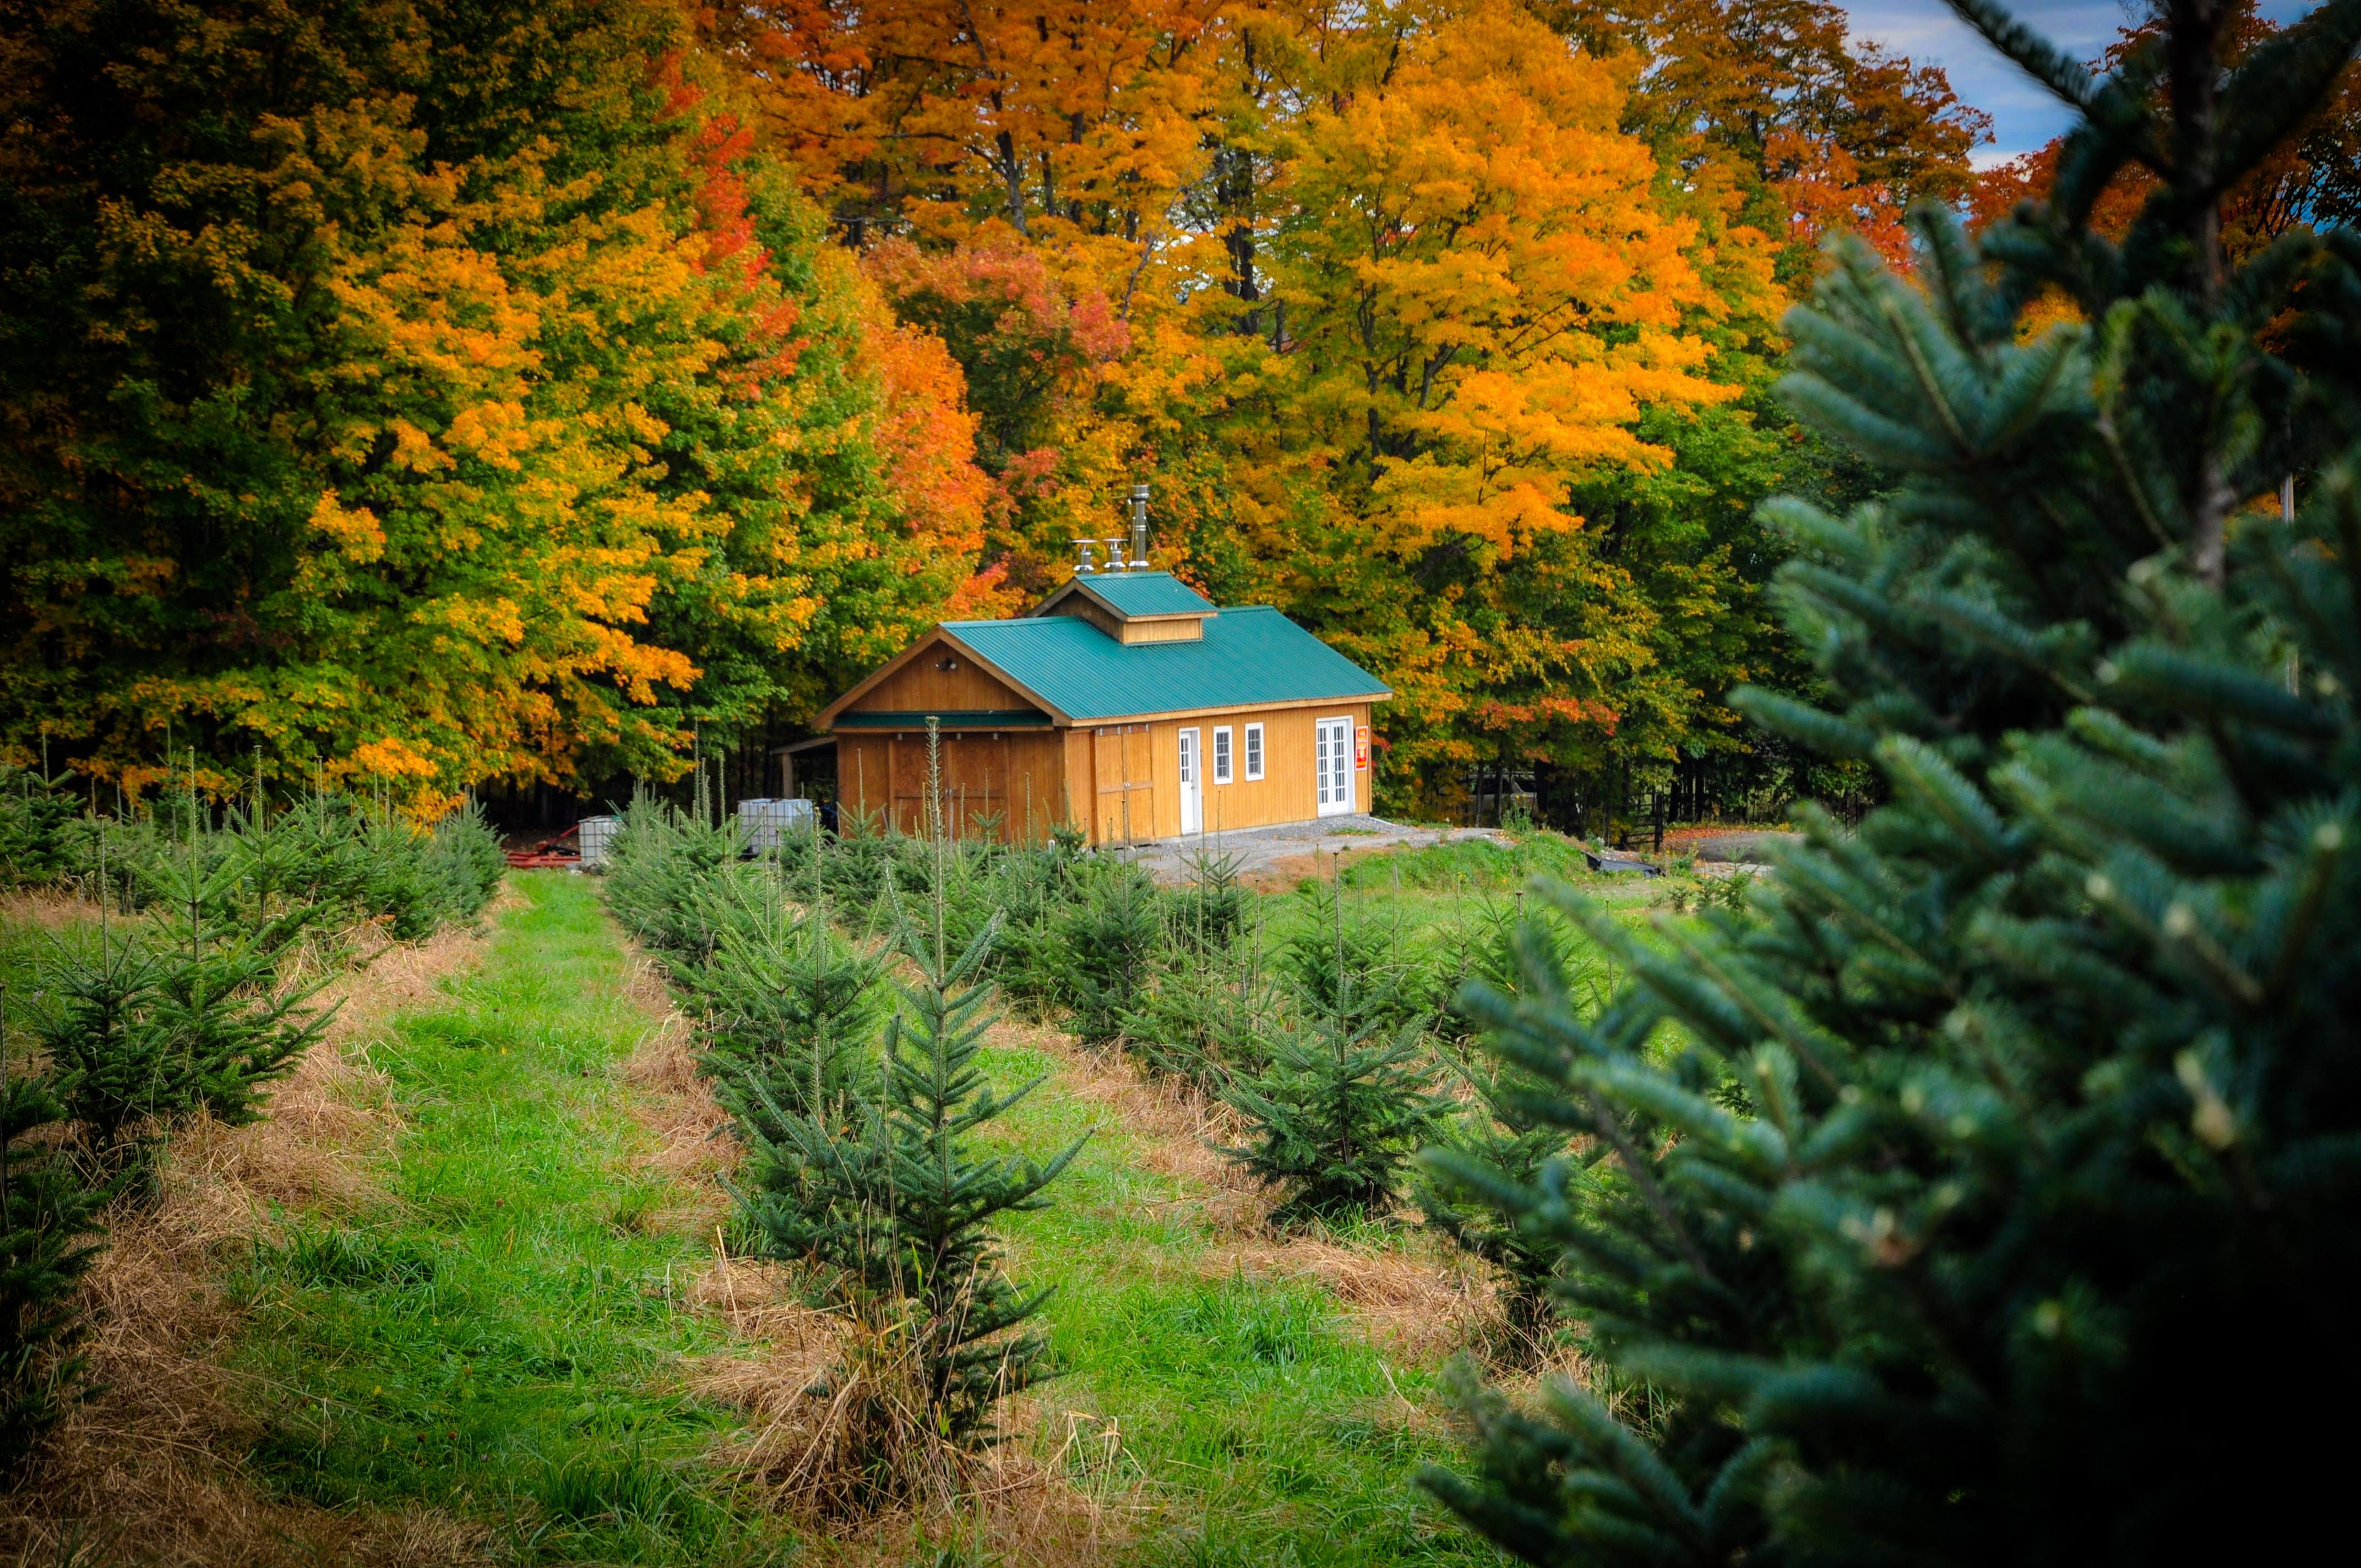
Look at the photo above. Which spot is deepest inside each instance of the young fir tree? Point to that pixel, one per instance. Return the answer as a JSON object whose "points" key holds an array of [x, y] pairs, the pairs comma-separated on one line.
{"points": [[214, 1000], [891, 1195], [36, 810], [1348, 1097], [1996, 1197], [118, 1061], [791, 1012], [1109, 943], [49, 1223], [1504, 1142], [1331, 955]]}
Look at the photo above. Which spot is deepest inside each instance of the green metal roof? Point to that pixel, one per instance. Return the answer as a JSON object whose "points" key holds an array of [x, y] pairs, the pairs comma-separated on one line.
{"points": [[1248, 656], [1146, 592]]}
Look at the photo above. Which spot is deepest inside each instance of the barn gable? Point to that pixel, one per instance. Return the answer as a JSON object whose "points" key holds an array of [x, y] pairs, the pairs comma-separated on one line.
{"points": [[939, 678]]}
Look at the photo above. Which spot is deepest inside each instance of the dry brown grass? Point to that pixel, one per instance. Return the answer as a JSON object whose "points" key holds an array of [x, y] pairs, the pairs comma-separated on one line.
{"points": [[675, 1104], [45, 908], [836, 1435], [839, 1441], [148, 1470], [1179, 1128], [1423, 1305]]}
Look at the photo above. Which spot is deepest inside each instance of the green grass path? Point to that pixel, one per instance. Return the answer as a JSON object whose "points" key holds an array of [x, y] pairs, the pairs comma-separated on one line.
{"points": [[1261, 1427], [500, 1341]]}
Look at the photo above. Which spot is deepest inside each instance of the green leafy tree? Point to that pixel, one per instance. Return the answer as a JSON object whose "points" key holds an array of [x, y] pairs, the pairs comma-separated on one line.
{"points": [[1987, 1193], [432, 391]]}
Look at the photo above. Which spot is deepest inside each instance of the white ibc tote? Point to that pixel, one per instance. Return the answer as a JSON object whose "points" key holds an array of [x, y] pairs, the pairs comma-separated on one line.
{"points": [[765, 821], [595, 835]]}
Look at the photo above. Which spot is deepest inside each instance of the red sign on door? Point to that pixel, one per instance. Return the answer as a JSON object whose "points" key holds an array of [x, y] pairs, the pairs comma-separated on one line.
{"points": [[1361, 748]]}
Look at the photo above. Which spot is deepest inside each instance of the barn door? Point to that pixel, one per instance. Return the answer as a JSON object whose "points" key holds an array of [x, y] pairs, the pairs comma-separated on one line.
{"points": [[1127, 787]]}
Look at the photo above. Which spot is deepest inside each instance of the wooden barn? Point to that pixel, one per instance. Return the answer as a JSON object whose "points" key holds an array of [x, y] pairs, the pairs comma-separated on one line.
{"points": [[1126, 704]]}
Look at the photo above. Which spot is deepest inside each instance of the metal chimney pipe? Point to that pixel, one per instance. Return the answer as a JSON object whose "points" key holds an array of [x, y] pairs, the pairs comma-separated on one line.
{"points": [[1139, 525], [1083, 563], [1115, 552]]}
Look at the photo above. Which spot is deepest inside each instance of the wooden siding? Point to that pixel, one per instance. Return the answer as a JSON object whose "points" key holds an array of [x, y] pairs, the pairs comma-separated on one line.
{"points": [[1090, 610], [1123, 783], [1287, 792], [1160, 628], [919, 687], [1113, 780], [1180, 629], [1007, 780]]}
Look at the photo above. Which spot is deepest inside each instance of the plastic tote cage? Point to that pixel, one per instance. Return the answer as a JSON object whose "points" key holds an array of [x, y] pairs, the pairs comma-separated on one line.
{"points": [[765, 822], [595, 835]]}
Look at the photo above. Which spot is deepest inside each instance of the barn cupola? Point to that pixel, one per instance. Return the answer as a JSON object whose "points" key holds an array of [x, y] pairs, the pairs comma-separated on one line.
{"points": [[1133, 606], [1128, 599]]}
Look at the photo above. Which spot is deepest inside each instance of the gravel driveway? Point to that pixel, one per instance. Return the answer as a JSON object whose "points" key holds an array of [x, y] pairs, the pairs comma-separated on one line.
{"points": [[1275, 857]]}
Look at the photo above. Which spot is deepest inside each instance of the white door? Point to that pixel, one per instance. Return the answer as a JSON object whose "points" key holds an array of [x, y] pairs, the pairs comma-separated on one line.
{"points": [[1331, 764], [1192, 812]]}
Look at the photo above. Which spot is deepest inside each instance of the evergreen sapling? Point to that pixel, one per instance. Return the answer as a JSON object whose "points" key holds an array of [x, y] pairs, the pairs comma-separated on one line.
{"points": [[1112, 942], [891, 1197], [1348, 1097], [1986, 1193], [792, 1012], [50, 1225]]}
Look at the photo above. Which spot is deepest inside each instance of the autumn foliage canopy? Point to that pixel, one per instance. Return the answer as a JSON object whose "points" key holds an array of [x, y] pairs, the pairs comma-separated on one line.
{"points": [[442, 393]]}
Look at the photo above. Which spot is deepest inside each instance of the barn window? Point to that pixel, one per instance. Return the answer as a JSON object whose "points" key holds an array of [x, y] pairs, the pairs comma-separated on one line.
{"points": [[1254, 751], [1221, 753]]}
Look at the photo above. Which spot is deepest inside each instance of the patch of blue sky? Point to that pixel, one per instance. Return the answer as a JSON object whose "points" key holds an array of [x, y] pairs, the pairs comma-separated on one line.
{"points": [[2024, 115]]}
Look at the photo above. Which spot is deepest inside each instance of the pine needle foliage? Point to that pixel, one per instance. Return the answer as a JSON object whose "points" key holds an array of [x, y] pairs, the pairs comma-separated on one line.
{"points": [[1111, 942], [1348, 1096], [1502, 1144], [1986, 1193], [50, 1225], [117, 1060], [892, 1196], [663, 860], [36, 811], [1205, 1018], [1341, 961], [1336, 1116], [237, 1026], [1209, 915], [791, 1013]]}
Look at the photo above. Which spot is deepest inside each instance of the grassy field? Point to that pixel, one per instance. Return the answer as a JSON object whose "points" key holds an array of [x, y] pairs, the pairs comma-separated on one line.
{"points": [[1260, 1425], [503, 1341], [507, 1338], [1438, 899]]}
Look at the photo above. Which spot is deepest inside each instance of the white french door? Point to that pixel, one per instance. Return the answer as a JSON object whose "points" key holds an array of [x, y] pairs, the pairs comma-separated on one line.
{"points": [[1192, 801], [1331, 764]]}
